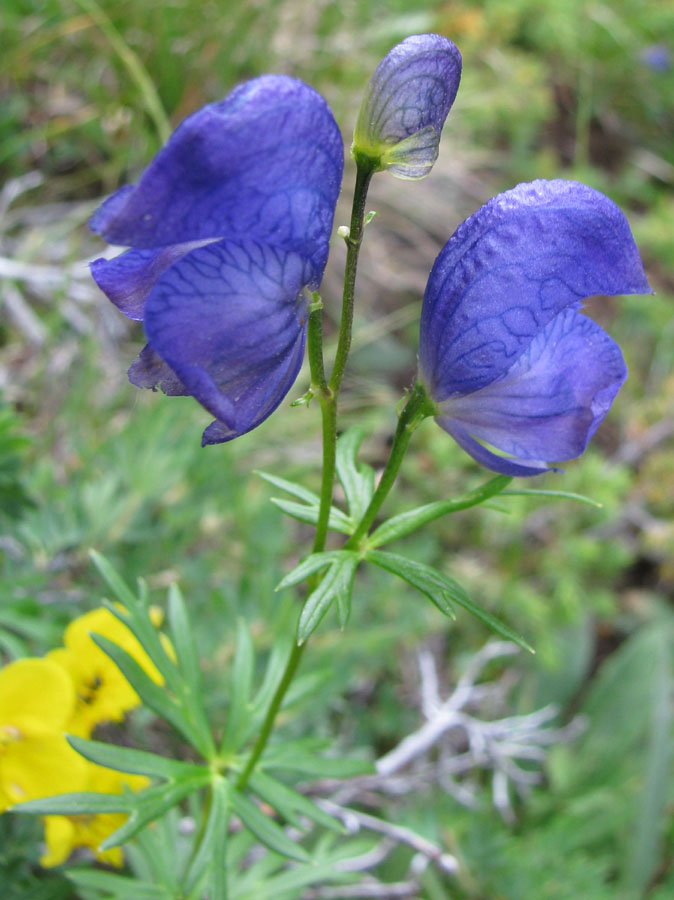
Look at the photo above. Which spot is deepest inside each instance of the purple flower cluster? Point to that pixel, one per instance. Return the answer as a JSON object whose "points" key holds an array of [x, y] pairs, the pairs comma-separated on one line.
{"points": [[230, 225], [504, 352]]}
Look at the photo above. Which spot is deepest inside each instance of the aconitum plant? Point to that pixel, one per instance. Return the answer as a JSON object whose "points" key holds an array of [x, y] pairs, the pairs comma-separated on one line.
{"points": [[228, 231]]}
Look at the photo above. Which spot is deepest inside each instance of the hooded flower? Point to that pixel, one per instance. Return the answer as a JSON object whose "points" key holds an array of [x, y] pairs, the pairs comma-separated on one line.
{"points": [[228, 226], [406, 104], [504, 353]]}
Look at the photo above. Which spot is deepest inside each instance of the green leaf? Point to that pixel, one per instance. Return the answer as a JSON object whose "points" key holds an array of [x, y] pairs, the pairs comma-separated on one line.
{"points": [[210, 846], [287, 802], [137, 620], [335, 585], [356, 479], [153, 696], [114, 581], [190, 687], [312, 563], [82, 803], [135, 762], [337, 521], [288, 883], [435, 585], [265, 829], [152, 803], [240, 689], [559, 495], [300, 756], [276, 664], [182, 638], [295, 490], [117, 886], [219, 820], [645, 847], [141, 806], [407, 522]]}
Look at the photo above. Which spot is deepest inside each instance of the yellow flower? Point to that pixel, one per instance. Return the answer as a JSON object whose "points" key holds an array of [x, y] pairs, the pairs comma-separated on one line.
{"points": [[36, 701], [64, 833], [102, 694]]}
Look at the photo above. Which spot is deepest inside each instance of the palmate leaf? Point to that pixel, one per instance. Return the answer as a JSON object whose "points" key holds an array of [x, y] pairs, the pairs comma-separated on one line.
{"points": [[210, 848], [276, 664], [289, 803], [433, 584], [190, 687], [136, 616], [240, 690], [181, 701], [135, 762], [357, 479], [303, 756], [311, 564], [81, 803], [182, 640], [307, 510], [336, 585], [440, 590], [141, 806], [337, 521], [153, 803], [153, 696], [555, 495], [405, 523], [290, 487], [263, 883], [265, 829]]}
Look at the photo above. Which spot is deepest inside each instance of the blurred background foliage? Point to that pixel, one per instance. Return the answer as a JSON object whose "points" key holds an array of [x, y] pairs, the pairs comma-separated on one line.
{"points": [[551, 88]]}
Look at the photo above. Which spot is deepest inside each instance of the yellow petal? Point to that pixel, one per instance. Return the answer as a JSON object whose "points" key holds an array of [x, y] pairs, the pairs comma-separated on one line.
{"points": [[101, 621], [35, 688], [37, 762], [59, 835], [102, 692]]}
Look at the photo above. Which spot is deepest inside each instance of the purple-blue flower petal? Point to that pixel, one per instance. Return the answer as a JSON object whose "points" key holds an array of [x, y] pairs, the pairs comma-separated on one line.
{"points": [[265, 164], [127, 279], [148, 370], [509, 269], [502, 464], [406, 103], [551, 401], [229, 320]]}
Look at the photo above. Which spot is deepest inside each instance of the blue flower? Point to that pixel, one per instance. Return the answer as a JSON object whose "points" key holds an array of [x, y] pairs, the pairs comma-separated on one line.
{"points": [[406, 104], [229, 226], [657, 57], [504, 353]]}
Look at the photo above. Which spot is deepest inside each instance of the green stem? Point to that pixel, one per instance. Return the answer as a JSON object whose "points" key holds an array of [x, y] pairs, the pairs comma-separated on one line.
{"points": [[407, 522], [418, 407], [353, 241], [274, 706], [327, 394], [328, 403]]}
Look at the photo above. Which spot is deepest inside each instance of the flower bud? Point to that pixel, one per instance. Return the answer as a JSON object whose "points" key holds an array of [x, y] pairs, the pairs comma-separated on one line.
{"points": [[405, 106]]}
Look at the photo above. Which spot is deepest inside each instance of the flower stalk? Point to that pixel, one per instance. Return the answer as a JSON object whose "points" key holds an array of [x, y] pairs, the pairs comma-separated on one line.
{"points": [[327, 394], [418, 407]]}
